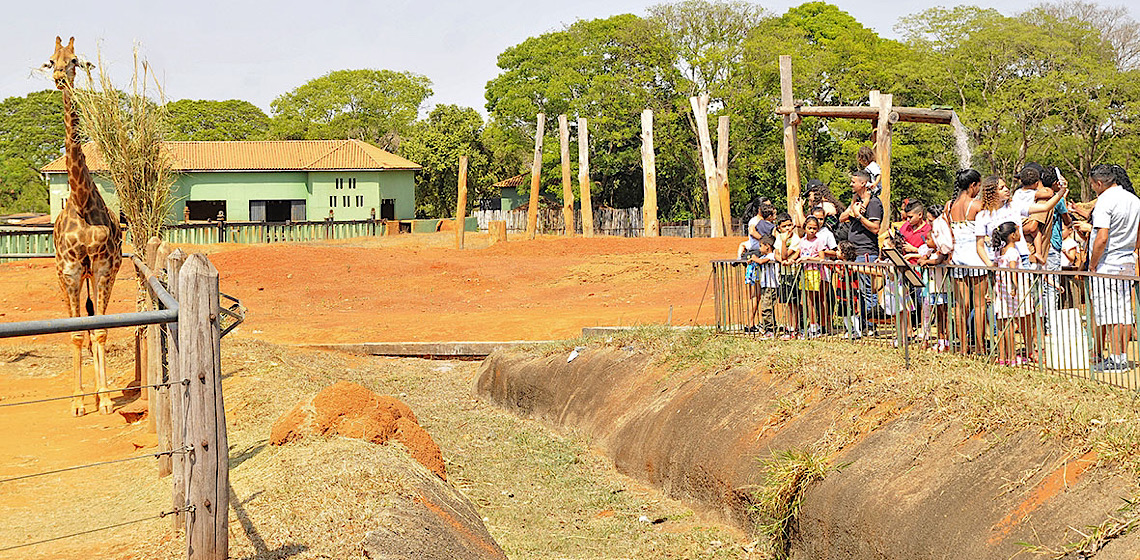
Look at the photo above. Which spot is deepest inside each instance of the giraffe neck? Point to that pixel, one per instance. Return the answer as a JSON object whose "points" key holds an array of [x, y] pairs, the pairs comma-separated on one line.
{"points": [[78, 177]]}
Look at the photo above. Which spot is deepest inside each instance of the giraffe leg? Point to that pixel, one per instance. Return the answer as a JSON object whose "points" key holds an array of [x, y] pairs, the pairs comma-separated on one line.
{"points": [[77, 354], [99, 350]]}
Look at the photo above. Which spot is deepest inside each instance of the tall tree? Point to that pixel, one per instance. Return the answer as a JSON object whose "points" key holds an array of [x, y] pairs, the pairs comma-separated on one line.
{"points": [[377, 106], [31, 136], [709, 39], [450, 131], [215, 120]]}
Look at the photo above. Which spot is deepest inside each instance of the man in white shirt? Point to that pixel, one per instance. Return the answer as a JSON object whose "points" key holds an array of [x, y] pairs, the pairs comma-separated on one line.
{"points": [[1115, 231]]}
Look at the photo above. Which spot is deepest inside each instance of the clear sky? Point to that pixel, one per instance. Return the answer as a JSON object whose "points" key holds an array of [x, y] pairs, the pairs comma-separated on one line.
{"points": [[256, 51]]}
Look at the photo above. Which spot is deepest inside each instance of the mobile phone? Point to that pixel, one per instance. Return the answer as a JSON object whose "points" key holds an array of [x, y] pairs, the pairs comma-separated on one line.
{"points": [[1060, 179]]}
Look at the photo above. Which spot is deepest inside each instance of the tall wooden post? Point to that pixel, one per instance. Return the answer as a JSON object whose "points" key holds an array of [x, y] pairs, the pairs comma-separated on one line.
{"points": [[199, 343], [649, 177], [178, 394], [584, 179], [567, 186], [535, 179], [883, 152], [791, 149], [461, 203], [722, 171], [700, 114]]}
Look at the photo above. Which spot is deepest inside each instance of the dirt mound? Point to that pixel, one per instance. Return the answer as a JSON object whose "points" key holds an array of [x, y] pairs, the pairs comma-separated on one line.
{"points": [[908, 483], [350, 410]]}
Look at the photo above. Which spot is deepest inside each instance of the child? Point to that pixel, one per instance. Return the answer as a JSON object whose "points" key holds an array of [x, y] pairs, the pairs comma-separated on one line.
{"points": [[765, 278], [813, 248], [939, 244], [896, 299], [787, 250], [847, 292], [865, 157], [1006, 289]]}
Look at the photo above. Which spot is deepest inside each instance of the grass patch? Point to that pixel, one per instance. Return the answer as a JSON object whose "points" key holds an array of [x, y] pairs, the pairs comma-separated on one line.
{"points": [[787, 475]]}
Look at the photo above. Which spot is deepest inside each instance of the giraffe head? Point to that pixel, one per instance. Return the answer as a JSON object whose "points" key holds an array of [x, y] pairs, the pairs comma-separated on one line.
{"points": [[63, 63]]}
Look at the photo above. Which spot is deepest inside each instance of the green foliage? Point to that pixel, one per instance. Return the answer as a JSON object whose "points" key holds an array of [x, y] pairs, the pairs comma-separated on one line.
{"points": [[377, 106], [31, 136], [215, 120], [449, 132]]}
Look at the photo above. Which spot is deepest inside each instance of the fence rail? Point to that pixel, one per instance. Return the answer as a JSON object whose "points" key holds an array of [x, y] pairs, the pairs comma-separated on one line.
{"points": [[1068, 322], [184, 382], [618, 222]]}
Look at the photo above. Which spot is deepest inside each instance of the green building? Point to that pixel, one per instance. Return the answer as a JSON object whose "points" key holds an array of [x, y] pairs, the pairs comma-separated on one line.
{"points": [[271, 181]]}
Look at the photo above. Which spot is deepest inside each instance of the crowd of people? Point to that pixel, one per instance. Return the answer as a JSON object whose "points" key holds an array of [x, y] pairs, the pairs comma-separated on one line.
{"points": [[825, 268]]}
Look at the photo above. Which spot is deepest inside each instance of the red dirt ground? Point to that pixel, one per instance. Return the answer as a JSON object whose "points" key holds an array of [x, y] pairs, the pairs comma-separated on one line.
{"points": [[402, 288]]}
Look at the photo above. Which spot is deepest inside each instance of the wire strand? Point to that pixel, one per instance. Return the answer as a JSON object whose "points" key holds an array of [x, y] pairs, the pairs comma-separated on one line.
{"points": [[80, 395], [99, 464], [107, 528]]}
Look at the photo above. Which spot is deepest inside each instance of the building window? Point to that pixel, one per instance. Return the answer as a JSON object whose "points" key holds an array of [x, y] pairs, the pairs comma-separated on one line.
{"points": [[360, 200], [332, 201], [340, 183], [352, 182], [345, 200]]}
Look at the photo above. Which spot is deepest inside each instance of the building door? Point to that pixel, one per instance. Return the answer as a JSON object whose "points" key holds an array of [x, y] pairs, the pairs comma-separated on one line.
{"points": [[257, 210], [297, 211], [276, 210], [388, 209]]}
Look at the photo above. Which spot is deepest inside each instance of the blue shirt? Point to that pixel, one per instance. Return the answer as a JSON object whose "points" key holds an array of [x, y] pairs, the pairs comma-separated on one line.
{"points": [[1058, 211]]}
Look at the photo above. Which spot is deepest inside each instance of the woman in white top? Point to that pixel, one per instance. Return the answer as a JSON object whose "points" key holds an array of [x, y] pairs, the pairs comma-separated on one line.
{"points": [[995, 211], [969, 283]]}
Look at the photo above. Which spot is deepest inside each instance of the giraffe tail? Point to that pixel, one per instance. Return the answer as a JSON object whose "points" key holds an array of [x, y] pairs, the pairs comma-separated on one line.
{"points": [[90, 304]]}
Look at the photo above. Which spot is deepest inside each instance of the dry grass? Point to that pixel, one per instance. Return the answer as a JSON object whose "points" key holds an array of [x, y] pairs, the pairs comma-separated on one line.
{"points": [[787, 475]]}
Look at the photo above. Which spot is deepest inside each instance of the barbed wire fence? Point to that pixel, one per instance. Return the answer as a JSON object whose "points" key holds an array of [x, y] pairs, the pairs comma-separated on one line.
{"points": [[183, 380]]}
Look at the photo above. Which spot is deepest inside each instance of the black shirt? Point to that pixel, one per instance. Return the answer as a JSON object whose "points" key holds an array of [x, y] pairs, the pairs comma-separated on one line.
{"points": [[865, 241]]}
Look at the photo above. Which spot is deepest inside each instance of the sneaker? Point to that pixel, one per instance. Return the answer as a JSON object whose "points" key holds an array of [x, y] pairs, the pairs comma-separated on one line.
{"points": [[1110, 365]]}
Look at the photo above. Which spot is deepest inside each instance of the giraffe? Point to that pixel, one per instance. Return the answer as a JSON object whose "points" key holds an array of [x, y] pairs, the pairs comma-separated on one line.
{"points": [[87, 236]]}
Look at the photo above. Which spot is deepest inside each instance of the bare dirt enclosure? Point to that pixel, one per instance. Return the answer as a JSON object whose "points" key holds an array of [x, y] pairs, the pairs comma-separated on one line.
{"points": [[390, 289], [931, 463]]}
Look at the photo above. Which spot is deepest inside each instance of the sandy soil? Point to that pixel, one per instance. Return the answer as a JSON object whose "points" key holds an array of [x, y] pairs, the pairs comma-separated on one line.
{"points": [[404, 288]]}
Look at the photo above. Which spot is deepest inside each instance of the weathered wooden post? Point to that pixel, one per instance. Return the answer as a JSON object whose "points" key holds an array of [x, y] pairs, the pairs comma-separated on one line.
{"points": [[535, 179], [199, 344], [178, 394], [649, 177], [700, 114], [584, 179], [567, 187], [791, 150], [884, 102], [498, 231], [461, 203], [722, 172]]}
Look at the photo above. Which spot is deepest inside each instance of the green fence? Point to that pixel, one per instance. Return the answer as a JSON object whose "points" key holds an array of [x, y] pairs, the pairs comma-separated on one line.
{"points": [[39, 241]]}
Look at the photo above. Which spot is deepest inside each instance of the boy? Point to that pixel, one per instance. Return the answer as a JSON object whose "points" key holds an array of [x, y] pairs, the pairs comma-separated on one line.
{"points": [[762, 271]]}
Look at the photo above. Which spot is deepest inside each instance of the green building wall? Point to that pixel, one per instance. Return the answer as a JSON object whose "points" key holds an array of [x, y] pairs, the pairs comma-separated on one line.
{"points": [[239, 188]]}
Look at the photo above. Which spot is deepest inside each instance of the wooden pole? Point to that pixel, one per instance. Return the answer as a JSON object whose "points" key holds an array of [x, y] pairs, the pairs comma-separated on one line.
{"points": [[178, 395], [883, 154], [584, 179], [567, 185], [700, 114], [722, 171], [791, 149], [461, 203], [199, 342], [535, 179], [649, 177], [898, 114]]}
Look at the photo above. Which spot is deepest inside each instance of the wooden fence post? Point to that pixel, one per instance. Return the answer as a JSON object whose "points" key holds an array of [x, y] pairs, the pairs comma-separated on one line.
{"points": [[883, 154], [178, 395], [791, 150], [700, 114], [567, 187], [461, 203], [649, 177], [722, 172], [199, 344], [584, 179], [535, 179]]}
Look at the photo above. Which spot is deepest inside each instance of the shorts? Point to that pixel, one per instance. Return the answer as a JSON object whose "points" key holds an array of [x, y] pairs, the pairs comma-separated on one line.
{"points": [[960, 273], [751, 274], [811, 280], [789, 291], [1111, 298], [938, 298]]}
